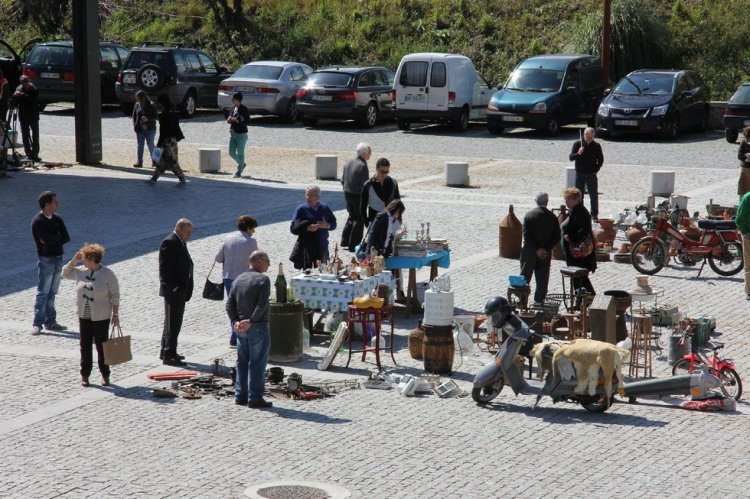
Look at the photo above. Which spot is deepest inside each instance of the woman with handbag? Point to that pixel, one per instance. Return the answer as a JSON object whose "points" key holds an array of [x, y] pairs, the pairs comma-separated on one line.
{"points": [[170, 134], [234, 254], [97, 303], [578, 238]]}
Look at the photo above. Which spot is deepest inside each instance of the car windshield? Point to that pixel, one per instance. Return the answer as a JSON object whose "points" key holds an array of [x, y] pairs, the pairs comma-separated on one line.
{"points": [[645, 84], [51, 55], [138, 59], [331, 79], [535, 80], [742, 95], [258, 72]]}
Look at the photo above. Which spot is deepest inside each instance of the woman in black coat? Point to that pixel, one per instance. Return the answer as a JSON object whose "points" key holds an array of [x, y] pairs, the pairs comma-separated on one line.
{"points": [[382, 232], [575, 229]]}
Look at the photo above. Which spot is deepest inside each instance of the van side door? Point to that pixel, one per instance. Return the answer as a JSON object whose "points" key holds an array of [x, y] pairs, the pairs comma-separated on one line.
{"points": [[591, 87], [412, 91], [438, 86], [571, 103]]}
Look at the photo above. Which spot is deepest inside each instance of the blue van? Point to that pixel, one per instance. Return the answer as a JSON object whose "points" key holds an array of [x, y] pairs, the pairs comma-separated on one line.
{"points": [[546, 92]]}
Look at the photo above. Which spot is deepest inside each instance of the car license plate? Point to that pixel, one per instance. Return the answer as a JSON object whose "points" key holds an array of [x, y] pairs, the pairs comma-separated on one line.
{"points": [[250, 90], [415, 98], [128, 79], [50, 75], [626, 122], [324, 98], [509, 117]]}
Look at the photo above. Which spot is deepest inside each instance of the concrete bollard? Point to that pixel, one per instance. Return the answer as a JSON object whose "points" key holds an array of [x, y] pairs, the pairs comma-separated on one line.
{"points": [[456, 173], [570, 176], [209, 160], [326, 166], [661, 183]]}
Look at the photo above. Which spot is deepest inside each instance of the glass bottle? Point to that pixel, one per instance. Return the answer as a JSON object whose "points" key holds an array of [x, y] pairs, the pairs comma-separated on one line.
{"points": [[280, 285]]}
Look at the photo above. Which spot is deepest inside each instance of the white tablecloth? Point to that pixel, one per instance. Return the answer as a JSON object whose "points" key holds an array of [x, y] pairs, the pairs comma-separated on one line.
{"points": [[333, 295]]}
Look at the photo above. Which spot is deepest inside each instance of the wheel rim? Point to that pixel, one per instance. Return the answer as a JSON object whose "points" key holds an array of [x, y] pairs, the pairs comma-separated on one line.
{"points": [[149, 78], [190, 104], [729, 261], [372, 115], [648, 256], [730, 383], [464, 120], [675, 128], [553, 126], [292, 113]]}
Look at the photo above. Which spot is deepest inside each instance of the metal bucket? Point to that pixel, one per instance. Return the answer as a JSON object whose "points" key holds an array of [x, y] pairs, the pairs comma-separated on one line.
{"points": [[286, 331], [677, 351], [438, 349]]}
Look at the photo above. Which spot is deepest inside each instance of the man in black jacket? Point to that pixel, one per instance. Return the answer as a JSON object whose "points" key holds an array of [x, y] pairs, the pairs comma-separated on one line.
{"points": [[27, 97], [588, 156], [353, 179], [50, 234], [541, 232], [176, 286], [377, 192]]}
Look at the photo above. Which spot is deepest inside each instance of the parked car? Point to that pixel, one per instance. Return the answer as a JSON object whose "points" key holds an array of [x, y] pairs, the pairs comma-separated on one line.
{"points": [[663, 101], [439, 88], [189, 76], [51, 67], [737, 113], [268, 87], [546, 92], [359, 93]]}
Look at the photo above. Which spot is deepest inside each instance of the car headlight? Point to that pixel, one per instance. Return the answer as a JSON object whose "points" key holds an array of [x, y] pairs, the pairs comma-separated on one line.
{"points": [[603, 110], [659, 110], [539, 108], [492, 105]]}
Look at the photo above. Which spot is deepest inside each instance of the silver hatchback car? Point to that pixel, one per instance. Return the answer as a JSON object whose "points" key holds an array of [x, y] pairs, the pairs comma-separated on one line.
{"points": [[268, 87]]}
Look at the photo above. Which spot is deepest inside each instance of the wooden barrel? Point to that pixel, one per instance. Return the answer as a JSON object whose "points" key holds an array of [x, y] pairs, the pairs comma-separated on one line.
{"points": [[438, 349]]}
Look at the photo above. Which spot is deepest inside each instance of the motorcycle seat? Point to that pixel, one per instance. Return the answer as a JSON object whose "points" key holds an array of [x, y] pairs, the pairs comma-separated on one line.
{"points": [[717, 225]]}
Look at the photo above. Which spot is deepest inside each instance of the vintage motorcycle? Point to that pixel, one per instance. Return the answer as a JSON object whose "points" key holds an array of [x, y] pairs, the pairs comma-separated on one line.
{"points": [[491, 379], [719, 243]]}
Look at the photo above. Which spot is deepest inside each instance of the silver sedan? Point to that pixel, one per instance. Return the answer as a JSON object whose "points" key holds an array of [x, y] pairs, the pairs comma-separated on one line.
{"points": [[268, 87]]}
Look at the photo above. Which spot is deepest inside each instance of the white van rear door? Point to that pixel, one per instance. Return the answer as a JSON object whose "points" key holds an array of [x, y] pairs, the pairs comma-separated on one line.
{"points": [[411, 88], [438, 85], [480, 99]]}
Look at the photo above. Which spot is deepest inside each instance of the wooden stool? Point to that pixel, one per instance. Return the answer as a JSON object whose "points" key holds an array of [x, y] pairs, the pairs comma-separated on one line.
{"points": [[640, 353], [571, 273], [366, 316], [522, 292]]}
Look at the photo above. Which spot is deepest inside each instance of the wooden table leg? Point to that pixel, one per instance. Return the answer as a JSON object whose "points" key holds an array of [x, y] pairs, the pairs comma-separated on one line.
{"points": [[412, 303], [433, 270]]}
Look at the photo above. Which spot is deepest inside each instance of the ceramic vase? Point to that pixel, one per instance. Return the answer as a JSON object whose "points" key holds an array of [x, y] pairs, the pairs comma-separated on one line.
{"points": [[606, 233], [635, 233]]}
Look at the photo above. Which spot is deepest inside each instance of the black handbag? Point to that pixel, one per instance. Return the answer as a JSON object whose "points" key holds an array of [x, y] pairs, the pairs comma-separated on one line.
{"points": [[212, 290]]}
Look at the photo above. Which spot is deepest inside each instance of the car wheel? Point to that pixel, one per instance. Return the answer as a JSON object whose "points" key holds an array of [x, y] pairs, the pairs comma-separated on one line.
{"points": [[150, 77], [553, 125], [731, 135], [704, 120], [495, 130], [127, 108], [291, 115], [308, 121], [403, 124], [462, 123], [189, 104], [673, 128], [371, 116]]}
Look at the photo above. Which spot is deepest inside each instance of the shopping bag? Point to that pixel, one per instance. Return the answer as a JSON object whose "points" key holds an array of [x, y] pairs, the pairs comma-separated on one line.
{"points": [[212, 290], [156, 155], [583, 249], [117, 348]]}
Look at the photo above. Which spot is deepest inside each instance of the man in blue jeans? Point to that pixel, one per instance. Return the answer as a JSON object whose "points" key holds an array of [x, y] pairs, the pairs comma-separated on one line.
{"points": [[249, 310], [50, 234]]}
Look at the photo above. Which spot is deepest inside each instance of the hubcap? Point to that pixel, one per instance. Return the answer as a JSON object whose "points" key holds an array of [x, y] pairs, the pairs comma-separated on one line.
{"points": [[149, 78], [372, 115], [190, 104]]}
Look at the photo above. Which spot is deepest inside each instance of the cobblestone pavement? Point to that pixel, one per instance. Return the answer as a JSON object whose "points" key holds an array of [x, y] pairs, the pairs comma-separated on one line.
{"points": [[60, 439]]}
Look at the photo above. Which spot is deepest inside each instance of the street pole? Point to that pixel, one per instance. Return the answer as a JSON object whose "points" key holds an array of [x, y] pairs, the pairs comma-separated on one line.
{"points": [[88, 123], [605, 40]]}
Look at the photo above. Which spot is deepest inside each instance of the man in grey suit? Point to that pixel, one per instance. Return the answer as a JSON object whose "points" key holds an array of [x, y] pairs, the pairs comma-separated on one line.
{"points": [[176, 286]]}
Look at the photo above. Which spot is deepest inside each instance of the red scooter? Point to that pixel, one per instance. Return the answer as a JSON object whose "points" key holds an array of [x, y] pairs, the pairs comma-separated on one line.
{"points": [[719, 243]]}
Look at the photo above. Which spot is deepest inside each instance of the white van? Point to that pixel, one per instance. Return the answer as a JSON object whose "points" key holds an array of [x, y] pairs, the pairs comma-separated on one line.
{"points": [[436, 87]]}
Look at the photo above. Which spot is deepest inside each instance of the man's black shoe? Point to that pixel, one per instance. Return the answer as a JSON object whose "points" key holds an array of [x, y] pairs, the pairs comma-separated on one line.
{"points": [[174, 362], [259, 404], [240, 402], [181, 357]]}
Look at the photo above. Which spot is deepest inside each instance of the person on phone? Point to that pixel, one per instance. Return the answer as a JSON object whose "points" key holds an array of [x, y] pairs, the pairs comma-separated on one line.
{"points": [[144, 125], [97, 303], [743, 186], [588, 157], [575, 229], [239, 118], [311, 223]]}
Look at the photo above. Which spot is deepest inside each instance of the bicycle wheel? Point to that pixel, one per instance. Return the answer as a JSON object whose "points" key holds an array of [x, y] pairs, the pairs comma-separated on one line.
{"points": [[649, 256], [729, 261], [683, 367], [731, 384]]}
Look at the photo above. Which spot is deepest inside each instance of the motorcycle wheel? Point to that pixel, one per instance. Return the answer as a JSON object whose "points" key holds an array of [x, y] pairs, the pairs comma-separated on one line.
{"points": [[729, 262], [596, 403], [649, 257], [484, 394]]}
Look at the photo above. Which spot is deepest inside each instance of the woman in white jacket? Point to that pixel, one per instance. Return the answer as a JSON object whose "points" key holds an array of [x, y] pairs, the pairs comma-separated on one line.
{"points": [[98, 300]]}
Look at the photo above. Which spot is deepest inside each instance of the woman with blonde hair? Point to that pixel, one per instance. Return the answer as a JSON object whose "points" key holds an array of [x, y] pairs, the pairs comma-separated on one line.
{"points": [[97, 303], [575, 230]]}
